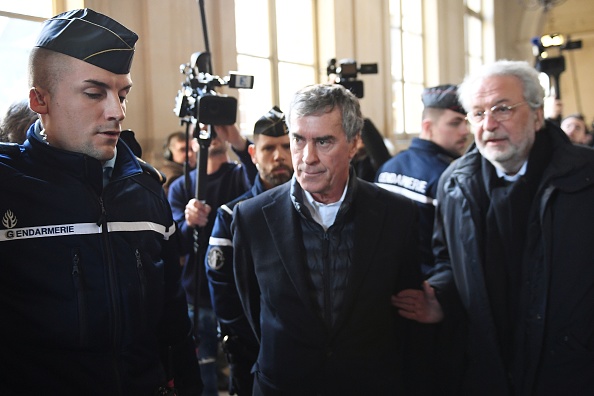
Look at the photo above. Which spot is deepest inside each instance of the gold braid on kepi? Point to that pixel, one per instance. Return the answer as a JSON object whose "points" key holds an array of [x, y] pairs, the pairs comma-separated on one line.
{"points": [[91, 37]]}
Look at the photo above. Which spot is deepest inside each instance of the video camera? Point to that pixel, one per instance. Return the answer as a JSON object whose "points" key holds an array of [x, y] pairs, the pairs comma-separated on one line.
{"points": [[198, 99], [346, 74], [545, 62]]}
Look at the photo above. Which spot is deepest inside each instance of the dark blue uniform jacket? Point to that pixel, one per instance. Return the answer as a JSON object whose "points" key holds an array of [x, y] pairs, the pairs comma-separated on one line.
{"points": [[415, 173], [227, 183], [90, 293]]}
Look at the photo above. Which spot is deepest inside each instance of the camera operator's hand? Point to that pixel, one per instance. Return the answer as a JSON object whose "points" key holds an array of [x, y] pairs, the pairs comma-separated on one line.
{"points": [[231, 134], [553, 107], [196, 213]]}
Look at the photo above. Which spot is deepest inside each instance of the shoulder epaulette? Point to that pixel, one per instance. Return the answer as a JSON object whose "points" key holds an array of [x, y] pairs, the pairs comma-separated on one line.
{"points": [[152, 171], [228, 207], [10, 149]]}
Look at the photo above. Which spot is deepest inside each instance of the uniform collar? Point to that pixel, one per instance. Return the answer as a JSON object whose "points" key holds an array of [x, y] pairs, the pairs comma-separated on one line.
{"points": [[436, 149], [79, 165]]}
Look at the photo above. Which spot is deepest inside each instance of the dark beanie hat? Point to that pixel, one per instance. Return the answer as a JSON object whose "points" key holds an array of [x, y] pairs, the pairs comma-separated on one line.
{"points": [[442, 97], [92, 37], [271, 124]]}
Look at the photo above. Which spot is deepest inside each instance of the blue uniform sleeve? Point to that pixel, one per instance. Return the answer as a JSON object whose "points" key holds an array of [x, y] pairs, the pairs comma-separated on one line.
{"points": [[249, 168], [221, 278], [178, 198]]}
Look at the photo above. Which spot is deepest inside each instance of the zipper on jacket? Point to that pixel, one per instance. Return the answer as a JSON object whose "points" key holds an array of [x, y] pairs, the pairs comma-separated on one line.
{"points": [[326, 278], [80, 298], [103, 217], [142, 279], [113, 292]]}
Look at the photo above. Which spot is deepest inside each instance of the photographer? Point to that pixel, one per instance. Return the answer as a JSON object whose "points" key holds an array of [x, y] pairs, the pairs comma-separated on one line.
{"points": [[576, 129], [225, 180], [175, 158]]}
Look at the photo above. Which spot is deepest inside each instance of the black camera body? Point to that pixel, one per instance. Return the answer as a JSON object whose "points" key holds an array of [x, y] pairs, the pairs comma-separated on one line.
{"points": [[552, 66], [346, 72], [198, 99]]}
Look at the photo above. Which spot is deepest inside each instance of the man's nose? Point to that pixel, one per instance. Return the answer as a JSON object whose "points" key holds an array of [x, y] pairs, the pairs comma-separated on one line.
{"points": [[310, 154], [464, 129], [489, 122], [116, 109]]}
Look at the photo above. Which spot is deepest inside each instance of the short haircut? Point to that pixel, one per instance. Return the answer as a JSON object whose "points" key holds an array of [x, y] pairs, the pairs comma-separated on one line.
{"points": [[433, 113], [177, 135], [577, 116], [324, 98], [528, 76], [46, 68]]}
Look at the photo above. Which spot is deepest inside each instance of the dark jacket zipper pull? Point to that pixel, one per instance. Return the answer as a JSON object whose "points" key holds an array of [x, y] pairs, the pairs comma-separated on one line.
{"points": [[103, 217]]}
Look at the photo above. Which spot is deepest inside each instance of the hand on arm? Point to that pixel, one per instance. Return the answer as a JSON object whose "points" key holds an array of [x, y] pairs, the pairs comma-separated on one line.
{"points": [[419, 305]]}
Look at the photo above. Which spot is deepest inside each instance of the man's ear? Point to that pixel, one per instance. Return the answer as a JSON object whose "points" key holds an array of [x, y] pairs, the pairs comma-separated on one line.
{"points": [[354, 146], [427, 129], [539, 119], [37, 100], [252, 152]]}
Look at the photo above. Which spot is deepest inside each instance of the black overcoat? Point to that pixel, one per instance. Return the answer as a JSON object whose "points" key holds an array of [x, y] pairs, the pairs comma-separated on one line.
{"points": [[362, 353]]}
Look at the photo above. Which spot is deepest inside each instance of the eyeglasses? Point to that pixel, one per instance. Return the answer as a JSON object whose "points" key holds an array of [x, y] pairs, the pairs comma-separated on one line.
{"points": [[498, 112]]}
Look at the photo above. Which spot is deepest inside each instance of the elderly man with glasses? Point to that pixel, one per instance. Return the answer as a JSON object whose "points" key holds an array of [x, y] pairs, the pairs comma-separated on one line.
{"points": [[514, 255]]}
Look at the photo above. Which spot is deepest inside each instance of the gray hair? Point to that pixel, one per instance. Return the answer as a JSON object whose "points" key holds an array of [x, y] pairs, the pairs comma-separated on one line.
{"points": [[533, 91], [323, 98]]}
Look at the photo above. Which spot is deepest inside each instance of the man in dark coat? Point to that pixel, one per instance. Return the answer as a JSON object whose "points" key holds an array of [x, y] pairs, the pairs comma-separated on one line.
{"points": [[317, 259], [512, 242]]}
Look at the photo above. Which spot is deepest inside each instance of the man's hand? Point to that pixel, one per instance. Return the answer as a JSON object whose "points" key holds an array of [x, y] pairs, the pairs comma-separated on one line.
{"points": [[419, 305], [231, 134], [196, 213]]}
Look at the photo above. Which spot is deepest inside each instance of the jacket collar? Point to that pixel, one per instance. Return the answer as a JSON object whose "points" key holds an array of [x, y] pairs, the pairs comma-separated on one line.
{"points": [[571, 167], [258, 187], [79, 165], [297, 196], [433, 148]]}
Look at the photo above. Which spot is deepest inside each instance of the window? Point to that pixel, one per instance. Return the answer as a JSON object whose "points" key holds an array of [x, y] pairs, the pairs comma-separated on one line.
{"points": [[276, 44], [31, 8], [473, 31], [20, 24], [408, 79]]}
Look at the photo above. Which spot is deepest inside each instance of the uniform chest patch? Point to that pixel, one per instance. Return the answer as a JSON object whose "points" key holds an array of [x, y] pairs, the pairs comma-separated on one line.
{"points": [[9, 220], [216, 259]]}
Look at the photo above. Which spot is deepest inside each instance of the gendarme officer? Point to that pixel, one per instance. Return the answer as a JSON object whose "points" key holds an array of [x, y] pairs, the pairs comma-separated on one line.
{"points": [[90, 279]]}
